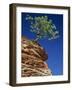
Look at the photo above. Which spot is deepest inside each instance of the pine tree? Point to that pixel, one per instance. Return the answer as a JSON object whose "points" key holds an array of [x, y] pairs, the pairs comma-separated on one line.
{"points": [[43, 27]]}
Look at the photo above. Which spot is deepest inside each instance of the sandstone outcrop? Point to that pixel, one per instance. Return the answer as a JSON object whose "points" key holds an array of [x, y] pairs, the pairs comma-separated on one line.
{"points": [[33, 58]]}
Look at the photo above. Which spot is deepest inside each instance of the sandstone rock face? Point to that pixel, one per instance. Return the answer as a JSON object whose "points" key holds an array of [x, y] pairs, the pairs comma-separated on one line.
{"points": [[33, 58]]}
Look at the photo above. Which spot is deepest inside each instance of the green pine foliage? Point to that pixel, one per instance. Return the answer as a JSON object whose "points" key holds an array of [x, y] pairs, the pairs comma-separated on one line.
{"points": [[42, 27]]}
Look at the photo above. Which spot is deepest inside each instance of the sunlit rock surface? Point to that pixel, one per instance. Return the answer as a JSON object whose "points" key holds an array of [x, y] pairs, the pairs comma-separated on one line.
{"points": [[33, 58]]}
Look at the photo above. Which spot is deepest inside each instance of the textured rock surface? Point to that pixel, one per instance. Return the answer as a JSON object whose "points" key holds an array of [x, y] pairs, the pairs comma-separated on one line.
{"points": [[33, 59]]}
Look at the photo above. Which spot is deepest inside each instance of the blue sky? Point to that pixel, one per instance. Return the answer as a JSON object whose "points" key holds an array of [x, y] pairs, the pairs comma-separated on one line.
{"points": [[54, 48]]}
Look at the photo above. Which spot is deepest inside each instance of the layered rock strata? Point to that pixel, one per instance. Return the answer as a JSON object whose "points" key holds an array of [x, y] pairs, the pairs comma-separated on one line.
{"points": [[33, 59]]}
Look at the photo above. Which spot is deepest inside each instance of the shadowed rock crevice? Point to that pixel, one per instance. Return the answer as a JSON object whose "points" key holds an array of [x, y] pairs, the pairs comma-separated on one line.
{"points": [[33, 58]]}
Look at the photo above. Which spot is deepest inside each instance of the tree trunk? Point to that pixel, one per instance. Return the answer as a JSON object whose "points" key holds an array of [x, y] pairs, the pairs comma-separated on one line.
{"points": [[36, 39]]}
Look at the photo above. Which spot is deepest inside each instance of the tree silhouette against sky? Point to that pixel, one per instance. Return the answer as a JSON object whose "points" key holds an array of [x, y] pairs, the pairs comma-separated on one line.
{"points": [[43, 27]]}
